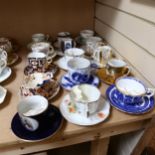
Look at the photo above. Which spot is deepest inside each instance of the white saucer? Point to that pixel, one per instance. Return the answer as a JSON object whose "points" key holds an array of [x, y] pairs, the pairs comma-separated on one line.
{"points": [[3, 92], [62, 63], [5, 74], [71, 115]]}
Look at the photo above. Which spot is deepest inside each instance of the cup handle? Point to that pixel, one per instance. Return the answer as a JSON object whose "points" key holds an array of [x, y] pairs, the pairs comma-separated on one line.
{"points": [[128, 71], [50, 54], [149, 92], [47, 37]]}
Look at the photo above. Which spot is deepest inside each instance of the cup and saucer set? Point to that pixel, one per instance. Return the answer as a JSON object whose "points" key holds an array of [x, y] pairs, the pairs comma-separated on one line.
{"points": [[79, 72], [85, 106], [131, 96], [7, 45], [36, 119]]}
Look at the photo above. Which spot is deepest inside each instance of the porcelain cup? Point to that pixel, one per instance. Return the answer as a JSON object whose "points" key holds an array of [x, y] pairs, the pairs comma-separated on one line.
{"points": [[3, 64], [73, 53], [79, 70], [37, 61], [131, 91], [40, 37], [66, 43], [34, 82], [6, 45], [117, 67], [86, 99], [102, 54], [61, 36], [34, 112], [86, 33], [44, 47], [3, 54]]}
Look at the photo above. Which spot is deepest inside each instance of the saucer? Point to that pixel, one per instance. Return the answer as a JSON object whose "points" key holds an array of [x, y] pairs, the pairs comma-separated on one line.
{"points": [[12, 58], [67, 83], [43, 132], [108, 79], [3, 92], [5, 74], [51, 68], [62, 63], [146, 106], [69, 112]]}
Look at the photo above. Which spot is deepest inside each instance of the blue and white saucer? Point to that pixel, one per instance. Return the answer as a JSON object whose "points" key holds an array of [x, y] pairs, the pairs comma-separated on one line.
{"points": [[146, 106], [43, 132], [67, 83]]}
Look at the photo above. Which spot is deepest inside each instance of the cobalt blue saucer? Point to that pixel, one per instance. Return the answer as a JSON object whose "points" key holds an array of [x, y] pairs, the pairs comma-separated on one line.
{"points": [[43, 132], [67, 83], [146, 106]]}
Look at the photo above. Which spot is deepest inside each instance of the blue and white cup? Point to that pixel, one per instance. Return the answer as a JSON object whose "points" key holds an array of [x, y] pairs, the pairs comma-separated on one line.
{"points": [[79, 70], [132, 91], [34, 112]]}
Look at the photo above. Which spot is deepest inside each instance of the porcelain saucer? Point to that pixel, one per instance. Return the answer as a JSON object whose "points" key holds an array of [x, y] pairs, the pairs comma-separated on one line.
{"points": [[5, 74], [146, 106], [51, 68], [108, 79], [43, 132], [12, 59], [3, 92], [67, 83], [62, 63], [69, 112]]}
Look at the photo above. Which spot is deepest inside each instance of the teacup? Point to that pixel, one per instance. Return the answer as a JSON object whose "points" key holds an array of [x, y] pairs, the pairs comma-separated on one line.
{"points": [[37, 61], [66, 43], [117, 67], [33, 82], [44, 47], [86, 99], [102, 54], [3, 64], [34, 112], [86, 33], [79, 70], [132, 91], [39, 37], [72, 53], [6, 45]]}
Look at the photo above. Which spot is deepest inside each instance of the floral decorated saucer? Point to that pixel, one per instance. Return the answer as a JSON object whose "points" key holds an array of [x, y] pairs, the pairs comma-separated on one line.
{"points": [[70, 113], [67, 83], [141, 108], [5, 74]]}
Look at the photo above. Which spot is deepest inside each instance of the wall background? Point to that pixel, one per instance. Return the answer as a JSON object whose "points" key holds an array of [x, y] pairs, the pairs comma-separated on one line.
{"points": [[20, 19]]}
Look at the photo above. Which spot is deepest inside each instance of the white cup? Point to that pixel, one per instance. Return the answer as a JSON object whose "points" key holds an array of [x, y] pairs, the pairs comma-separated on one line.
{"points": [[3, 54], [86, 33], [39, 37], [86, 98], [73, 52]]}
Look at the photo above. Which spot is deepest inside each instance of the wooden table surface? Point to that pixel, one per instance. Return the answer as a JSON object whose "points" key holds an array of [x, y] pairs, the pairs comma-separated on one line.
{"points": [[117, 123]]}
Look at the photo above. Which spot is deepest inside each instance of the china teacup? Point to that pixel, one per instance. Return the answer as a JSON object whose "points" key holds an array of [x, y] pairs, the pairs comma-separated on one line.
{"points": [[37, 61], [39, 37], [44, 47], [117, 67], [3, 54], [79, 70], [72, 53], [3, 64], [6, 45], [66, 43], [34, 112], [86, 33], [132, 91], [86, 99]]}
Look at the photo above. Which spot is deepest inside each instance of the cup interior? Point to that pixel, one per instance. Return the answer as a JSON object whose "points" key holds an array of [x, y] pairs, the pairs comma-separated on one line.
{"points": [[32, 105], [130, 86], [36, 55], [78, 63], [73, 52], [118, 63], [85, 93]]}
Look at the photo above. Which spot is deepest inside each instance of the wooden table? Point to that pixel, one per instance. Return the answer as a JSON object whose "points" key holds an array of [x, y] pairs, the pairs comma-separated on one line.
{"points": [[117, 123]]}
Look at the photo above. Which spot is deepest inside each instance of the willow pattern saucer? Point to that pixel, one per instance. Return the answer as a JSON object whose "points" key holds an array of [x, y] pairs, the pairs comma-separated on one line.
{"points": [[67, 83], [5, 74], [70, 113], [146, 106], [43, 132]]}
